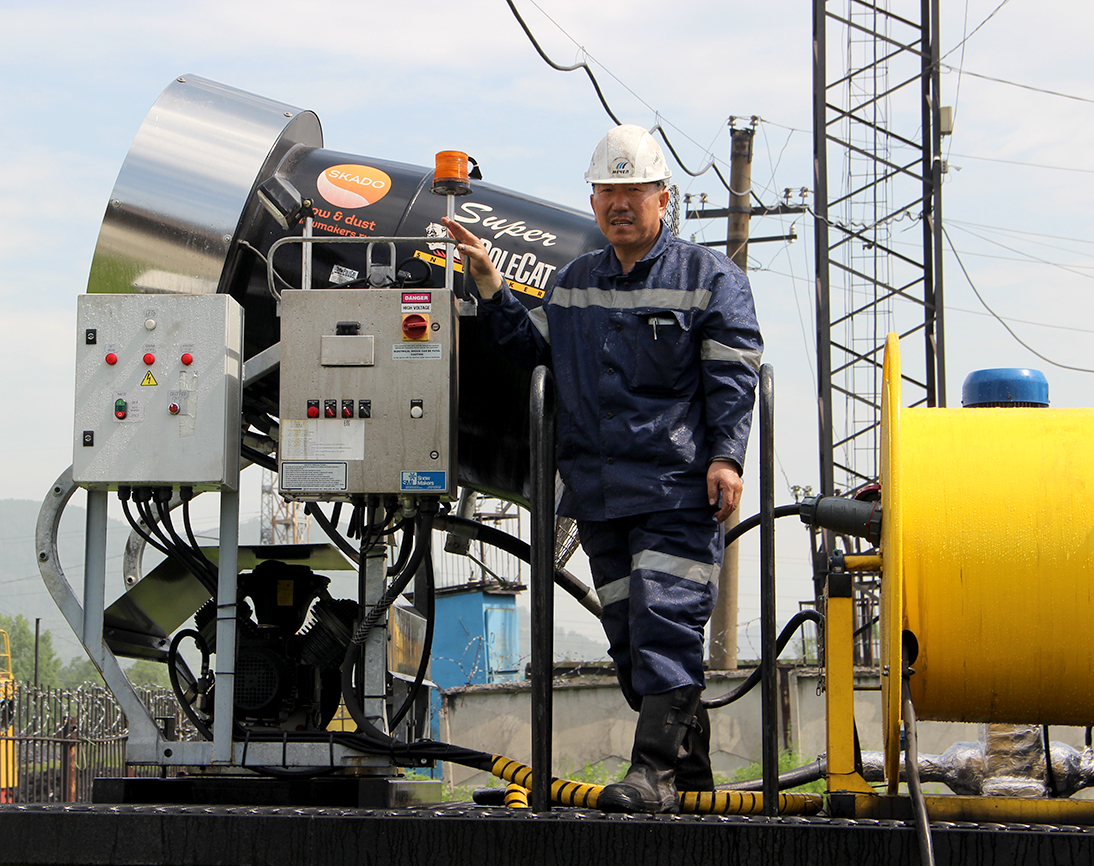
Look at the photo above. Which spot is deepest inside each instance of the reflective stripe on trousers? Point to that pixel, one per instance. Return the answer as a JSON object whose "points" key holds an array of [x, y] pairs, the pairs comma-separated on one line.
{"points": [[656, 576]]}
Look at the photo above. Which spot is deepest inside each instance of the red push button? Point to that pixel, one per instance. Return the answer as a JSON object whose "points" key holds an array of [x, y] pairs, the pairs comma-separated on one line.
{"points": [[187, 359], [313, 411], [111, 358], [149, 359]]}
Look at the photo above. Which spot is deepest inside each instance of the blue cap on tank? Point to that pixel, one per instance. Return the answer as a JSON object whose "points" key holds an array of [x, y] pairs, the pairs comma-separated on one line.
{"points": [[1008, 386]]}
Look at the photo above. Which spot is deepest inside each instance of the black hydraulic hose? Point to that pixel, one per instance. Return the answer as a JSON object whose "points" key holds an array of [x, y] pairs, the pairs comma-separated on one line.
{"points": [[789, 779], [136, 527], [349, 694], [192, 559], [422, 547], [313, 510], [258, 458], [173, 675], [521, 550], [754, 521], [190, 530], [795, 622], [144, 509], [405, 546], [427, 646]]}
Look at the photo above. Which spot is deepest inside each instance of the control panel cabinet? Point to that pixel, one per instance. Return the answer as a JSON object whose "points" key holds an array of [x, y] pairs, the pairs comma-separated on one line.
{"points": [[158, 389], [368, 393]]}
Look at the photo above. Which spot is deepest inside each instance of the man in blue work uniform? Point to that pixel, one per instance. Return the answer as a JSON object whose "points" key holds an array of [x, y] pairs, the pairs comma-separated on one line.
{"points": [[655, 351]]}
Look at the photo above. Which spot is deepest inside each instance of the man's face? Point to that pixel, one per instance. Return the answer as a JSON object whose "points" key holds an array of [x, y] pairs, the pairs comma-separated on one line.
{"points": [[629, 214]]}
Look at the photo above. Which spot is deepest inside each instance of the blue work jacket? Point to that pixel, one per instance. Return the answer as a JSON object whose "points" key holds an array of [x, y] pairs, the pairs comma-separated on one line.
{"points": [[655, 372]]}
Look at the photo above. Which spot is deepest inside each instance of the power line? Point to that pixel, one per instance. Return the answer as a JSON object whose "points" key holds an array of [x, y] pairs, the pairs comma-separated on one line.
{"points": [[999, 318], [1029, 256], [978, 26], [1005, 229], [950, 308], [711, 163], [1016, 84], [1028, 164]]}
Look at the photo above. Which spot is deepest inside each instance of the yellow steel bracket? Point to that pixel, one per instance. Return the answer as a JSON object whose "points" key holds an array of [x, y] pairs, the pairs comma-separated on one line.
{"points": [[839, 678]]}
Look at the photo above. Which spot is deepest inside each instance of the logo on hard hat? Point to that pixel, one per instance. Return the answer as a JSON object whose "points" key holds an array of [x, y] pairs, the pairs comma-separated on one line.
{"points": [[352, 186], [622, 168]]}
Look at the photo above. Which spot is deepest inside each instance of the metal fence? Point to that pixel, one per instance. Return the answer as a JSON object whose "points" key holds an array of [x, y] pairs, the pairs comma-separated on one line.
{"points": [[54, 742]]}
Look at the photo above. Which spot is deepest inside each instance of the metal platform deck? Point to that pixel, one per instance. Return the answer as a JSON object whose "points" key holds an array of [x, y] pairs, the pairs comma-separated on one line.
{"points": [[98, 835]]}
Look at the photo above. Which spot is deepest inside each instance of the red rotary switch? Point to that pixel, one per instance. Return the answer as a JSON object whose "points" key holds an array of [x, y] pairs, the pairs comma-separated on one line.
{"points": [[415, 326]]}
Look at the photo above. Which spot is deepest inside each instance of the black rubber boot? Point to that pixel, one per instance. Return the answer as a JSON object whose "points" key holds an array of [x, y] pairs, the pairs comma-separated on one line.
{"points": [[694, 773], [649, 785]]}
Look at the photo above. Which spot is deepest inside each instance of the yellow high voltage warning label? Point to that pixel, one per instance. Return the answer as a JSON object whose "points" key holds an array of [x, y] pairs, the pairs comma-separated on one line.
{"points": [[149, 379]]}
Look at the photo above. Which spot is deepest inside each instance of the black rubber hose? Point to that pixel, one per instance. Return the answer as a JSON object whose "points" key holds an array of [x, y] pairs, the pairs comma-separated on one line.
{"points": [[520, 549], [422, 548], [795, 622], [173, 674], [339, 540], [136, 527], [427, 646], [191, 558], [258, 458], [405, 547], [754, 521], [789, 779]]}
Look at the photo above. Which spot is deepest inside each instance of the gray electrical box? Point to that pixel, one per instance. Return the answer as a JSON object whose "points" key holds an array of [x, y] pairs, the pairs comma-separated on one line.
{"points": [[158, 390], [368, 393]]}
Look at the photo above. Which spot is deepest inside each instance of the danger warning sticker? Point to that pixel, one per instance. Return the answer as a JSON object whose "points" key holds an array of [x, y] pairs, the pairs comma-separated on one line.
{"points": [[417, 302]]}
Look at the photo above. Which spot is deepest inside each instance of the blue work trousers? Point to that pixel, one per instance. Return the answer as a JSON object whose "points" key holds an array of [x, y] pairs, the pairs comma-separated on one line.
{"points": [[656, 575]]}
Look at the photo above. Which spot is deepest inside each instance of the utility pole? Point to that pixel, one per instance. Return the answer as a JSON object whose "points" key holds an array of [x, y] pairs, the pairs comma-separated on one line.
{"points": [[723, 623]]}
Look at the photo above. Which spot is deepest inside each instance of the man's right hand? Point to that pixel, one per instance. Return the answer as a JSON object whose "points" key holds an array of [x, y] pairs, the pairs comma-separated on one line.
{"points": [[487, 278]]}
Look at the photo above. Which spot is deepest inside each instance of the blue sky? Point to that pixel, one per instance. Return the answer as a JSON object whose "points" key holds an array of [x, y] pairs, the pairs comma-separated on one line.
{"points": [[402, 81]]}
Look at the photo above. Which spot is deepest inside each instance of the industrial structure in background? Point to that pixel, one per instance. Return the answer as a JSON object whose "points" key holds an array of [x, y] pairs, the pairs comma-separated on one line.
{"points": [[258, 298], [281, 522], [878, 124]]}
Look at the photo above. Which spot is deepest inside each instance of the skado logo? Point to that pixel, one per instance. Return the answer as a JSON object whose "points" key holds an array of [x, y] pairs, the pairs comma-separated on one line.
{"points": [[621, 167], [352, 185]]}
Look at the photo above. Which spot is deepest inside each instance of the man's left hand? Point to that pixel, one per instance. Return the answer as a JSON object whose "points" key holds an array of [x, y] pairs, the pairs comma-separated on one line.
{"points": [[724, 480]]}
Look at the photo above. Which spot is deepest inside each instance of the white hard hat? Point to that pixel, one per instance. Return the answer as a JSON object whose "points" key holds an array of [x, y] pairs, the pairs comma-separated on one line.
{"points": [[627, 154]]}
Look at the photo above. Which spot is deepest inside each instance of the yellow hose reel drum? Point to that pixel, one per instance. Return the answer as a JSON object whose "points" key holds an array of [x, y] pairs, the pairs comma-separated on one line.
{"points": [[988, 562]]}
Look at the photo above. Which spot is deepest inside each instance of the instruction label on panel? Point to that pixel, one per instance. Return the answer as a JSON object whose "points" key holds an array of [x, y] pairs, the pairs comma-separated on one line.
{"points": [[415, 351], [321, 477], [322, 439]]}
